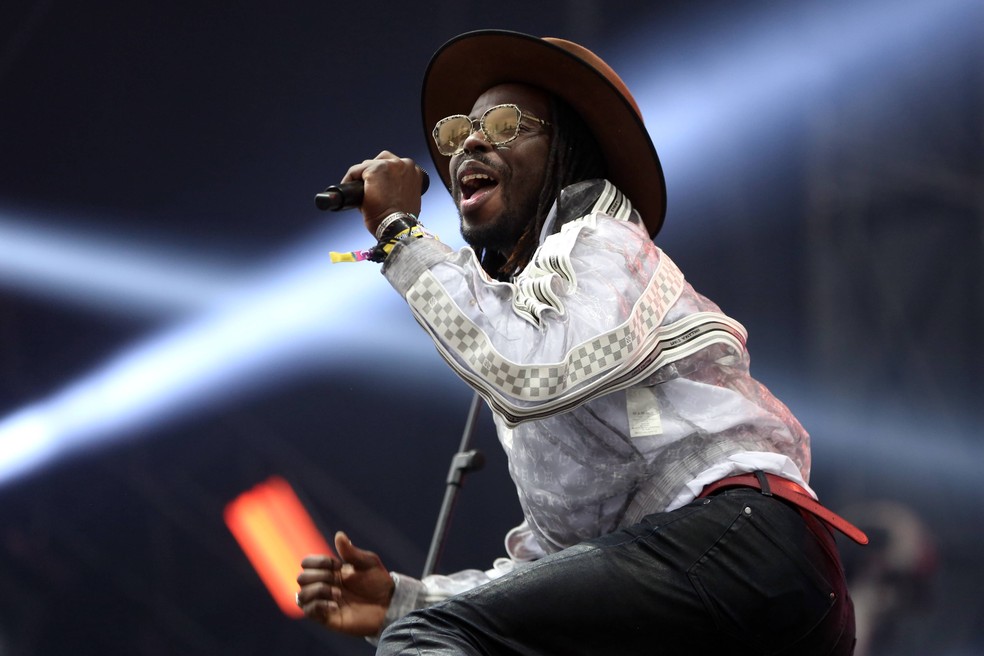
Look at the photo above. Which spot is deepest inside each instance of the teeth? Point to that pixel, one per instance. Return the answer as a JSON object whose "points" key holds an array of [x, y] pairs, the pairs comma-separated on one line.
{"points": [[471, 177]]}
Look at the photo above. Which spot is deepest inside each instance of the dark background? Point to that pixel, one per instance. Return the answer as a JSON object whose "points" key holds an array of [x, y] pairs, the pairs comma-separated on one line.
{"points": [[842, 221]]}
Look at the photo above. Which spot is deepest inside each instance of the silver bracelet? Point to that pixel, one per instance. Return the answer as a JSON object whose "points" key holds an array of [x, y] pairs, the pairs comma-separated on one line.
{"points": [[388, 221]]}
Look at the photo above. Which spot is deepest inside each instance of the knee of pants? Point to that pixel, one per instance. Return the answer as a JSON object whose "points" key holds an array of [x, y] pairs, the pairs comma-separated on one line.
{"points": [[397, 638], [424, 632]]}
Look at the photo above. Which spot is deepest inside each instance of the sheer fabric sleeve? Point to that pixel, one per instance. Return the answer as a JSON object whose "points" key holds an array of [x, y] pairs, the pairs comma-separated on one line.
{"points": [[584, 318]]}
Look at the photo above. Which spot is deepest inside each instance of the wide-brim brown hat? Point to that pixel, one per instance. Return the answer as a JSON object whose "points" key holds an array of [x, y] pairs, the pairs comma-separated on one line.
{"points": [[470, 64]]}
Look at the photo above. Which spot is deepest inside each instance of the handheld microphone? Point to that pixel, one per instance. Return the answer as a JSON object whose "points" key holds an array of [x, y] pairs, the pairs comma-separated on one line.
{"points": [[347, 195]]}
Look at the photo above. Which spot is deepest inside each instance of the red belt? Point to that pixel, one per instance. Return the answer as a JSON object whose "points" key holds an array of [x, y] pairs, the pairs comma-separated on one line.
{"points": [[786, 489]]}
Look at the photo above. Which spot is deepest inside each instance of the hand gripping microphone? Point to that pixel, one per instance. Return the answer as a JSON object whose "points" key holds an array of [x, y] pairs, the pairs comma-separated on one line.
{"points": [[347, 195]]}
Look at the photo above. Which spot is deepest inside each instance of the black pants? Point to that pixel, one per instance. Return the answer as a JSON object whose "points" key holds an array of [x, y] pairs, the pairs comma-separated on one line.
{"points": [[736, 573]]}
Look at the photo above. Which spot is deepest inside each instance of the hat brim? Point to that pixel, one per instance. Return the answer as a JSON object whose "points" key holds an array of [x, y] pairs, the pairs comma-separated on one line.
{"points": [[470, 64]]}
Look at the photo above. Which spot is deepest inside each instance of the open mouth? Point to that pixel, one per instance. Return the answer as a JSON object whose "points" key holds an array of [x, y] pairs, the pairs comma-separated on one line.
{"points": [[475, 183]]}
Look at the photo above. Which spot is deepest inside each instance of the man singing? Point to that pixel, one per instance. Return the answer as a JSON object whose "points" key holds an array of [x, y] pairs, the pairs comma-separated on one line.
{"points": [[665, 491]]}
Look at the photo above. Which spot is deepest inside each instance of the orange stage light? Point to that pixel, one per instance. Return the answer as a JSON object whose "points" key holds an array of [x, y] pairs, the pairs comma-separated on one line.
{"points": [[276, 532]]}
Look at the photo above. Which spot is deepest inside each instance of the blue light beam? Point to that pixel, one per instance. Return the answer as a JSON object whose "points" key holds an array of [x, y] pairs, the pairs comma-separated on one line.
{"points": [[706, 88], [107, 273], [299, 314]]}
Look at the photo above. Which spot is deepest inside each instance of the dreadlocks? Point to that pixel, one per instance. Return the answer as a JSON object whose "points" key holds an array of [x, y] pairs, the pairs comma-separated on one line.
{"points": [[574, 156]]}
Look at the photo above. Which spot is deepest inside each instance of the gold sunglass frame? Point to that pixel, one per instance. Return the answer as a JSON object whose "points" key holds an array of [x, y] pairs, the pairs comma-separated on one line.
{"points": [[481, 127]]}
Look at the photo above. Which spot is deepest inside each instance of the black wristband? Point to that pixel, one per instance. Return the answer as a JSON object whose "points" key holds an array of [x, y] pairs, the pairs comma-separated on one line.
{"points": [[395, 228], [394, 224]]}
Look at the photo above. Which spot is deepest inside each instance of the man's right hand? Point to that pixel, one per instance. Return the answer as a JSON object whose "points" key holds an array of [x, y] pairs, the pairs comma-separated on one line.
{"points": [[391, 184], [350, 595]]}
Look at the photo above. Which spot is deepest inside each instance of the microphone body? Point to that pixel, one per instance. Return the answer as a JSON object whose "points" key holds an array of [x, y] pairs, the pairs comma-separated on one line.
{"points": [[348, 195], [338, 197]]}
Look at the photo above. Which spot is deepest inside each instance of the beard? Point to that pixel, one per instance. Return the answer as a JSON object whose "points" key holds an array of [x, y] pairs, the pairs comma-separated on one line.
{"points": [[502, 233]]}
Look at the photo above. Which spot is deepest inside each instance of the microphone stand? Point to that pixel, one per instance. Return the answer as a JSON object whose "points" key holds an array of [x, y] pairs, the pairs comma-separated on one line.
{"points": [[464, 461]]}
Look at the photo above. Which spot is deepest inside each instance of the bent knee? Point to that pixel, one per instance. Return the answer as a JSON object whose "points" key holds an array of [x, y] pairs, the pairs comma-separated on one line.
{"points": [[426, 631]]}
